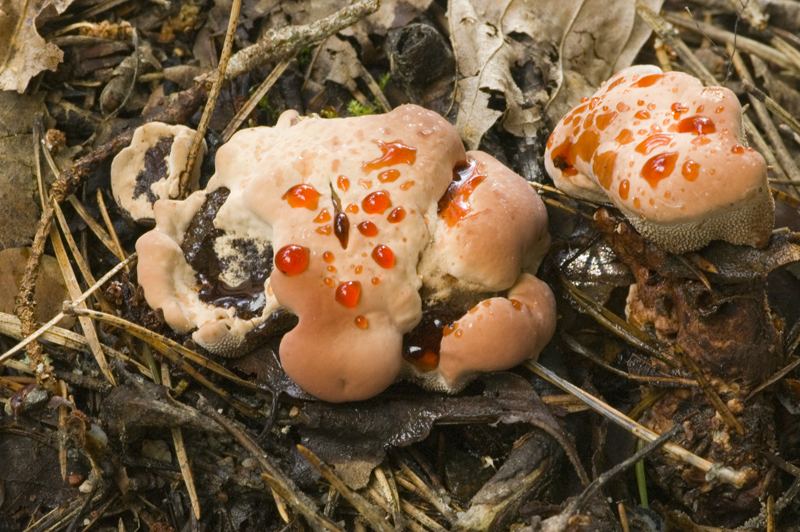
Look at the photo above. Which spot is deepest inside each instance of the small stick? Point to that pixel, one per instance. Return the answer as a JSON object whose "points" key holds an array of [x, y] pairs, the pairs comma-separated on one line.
{"points": [[44, 328], [281, 483], [211, 102], [180, 451], [368, 511], [713, 470], [262, 90]]}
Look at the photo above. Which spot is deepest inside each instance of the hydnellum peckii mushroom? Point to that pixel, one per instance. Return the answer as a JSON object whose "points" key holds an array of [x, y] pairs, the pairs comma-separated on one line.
{"points": [[150, 168], [402, 255], [671, 155]]}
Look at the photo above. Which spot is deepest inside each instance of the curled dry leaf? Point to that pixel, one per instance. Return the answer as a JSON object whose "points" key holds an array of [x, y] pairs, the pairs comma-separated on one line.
{"points": [[355, 444], [572, 45], [23, 52]]}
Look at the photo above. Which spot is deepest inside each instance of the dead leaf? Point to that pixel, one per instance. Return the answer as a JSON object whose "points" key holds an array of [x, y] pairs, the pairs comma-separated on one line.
{"points": [[354, 437], [51, 290], [487, 89], [23, 52], [574, 44]]}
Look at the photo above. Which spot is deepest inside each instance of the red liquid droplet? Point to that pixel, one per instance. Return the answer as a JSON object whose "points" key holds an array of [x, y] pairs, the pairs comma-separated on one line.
{"points": [[341, 228], [624, 188], [376, 203], [690, 170], [622, 107], [584, 99], [603, 168], [700, 108], [604, 120], [323, 216], [347, 294], [454, 205], [407, 185], [518, 305], [615, 83], [376, 281], [642, 115], [325, 230], [393, 153], [388, 176], [701, 140], [652, 142], [352, 208], [292, 260], [593, 102], [677, 110], [361, 322], [648, 81], [397, 215], [343, 183], [658, 167], [329, 282], [640, 102], [719, 109], [328, 257], [359, 269], [651, 106], [383, 256], [367, 229], [699, 125], [737, 149], [331, 269], [625, 136], [302, 196]]}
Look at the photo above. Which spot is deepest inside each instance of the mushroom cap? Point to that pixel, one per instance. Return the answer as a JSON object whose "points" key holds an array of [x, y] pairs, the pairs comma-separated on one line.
{"points": [[670, 154], [149, 169], [360, 215]]}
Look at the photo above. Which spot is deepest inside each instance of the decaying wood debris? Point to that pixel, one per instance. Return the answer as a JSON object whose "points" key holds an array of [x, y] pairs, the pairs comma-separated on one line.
{"points": [[114, 421]]}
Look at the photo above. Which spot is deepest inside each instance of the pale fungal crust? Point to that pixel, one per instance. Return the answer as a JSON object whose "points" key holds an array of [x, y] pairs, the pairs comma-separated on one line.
{"points": [[671, 155], [149, 169], [362, 215]]}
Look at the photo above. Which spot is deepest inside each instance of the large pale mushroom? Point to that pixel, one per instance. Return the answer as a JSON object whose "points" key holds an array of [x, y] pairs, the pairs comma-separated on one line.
{"points": [[671, 154], [370, 223]]}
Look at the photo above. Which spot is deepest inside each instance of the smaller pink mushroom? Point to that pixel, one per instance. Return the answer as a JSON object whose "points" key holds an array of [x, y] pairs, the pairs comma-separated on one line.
{"points": [[671, 154]]}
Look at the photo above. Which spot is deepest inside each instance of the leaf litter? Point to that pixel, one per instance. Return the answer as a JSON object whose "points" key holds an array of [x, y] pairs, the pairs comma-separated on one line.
{"points": [[505, 453]]}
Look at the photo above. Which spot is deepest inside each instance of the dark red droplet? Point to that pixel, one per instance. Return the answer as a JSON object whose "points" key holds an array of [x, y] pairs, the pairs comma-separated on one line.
{"points": [[737, 149], [367, 229], [648, 81], [699, 125], [302, 196], [389, 176], [348, 293], [652, 142], [377, 202], [292, 260], [678, 109], [323, 216], [658, 167], [383, 256], [690, 170], [397, 215], [393, 153]]}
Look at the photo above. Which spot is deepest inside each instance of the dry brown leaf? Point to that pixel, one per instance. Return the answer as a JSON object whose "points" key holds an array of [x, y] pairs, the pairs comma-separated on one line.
{"points": [[591, 40], [23, 52]]}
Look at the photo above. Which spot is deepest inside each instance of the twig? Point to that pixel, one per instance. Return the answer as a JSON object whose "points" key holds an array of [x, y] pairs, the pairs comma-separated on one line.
{"points": [[287, 41], [211, 102], [368, 511], [32, 336], [273, 475], [262, 90], [713, 470], [180, 452]]}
